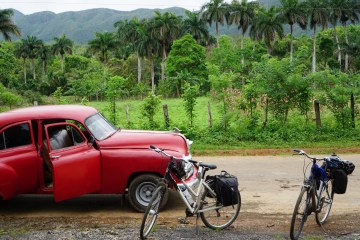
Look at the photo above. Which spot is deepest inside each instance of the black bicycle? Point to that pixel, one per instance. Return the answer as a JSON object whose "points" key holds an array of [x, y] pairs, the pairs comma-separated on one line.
{"points": [[316, 195], [198, 195]]}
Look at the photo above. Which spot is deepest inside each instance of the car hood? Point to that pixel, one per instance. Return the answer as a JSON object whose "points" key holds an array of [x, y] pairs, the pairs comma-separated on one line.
{"points": [[139, 139]]}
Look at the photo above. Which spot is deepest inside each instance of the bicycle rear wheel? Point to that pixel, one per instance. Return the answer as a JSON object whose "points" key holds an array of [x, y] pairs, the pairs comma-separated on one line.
{"points": [[324, 203], [216, 216], [301, 211], [151, 212]]}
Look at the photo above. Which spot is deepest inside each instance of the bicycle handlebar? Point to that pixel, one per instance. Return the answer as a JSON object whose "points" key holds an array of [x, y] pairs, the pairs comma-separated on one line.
{"points": [[302, 152], [159, 150]]}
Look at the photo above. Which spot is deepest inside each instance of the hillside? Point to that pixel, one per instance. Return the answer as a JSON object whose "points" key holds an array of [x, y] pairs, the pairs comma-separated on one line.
{"points": [[79, 26]]}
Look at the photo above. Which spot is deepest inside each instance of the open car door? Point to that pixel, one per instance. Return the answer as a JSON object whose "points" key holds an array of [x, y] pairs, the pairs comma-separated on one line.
{"points": [[75, 162]]}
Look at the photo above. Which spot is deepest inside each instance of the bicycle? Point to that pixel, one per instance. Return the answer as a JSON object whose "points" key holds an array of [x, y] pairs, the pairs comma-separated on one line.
{"points": [[316, 195], [198, 195]]}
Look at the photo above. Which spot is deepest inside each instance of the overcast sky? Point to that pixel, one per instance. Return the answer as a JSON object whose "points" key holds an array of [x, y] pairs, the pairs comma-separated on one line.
{"points": [[57, 6]]}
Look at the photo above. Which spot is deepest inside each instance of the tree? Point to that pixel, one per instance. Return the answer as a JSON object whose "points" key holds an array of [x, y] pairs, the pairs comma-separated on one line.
{"points": [[318, 14], [62, 46], [350, 13], [102, 45], [215, 11], [166, 28], [187, 56], [115, 88], [293, 12], [149, 47], [268, 26], [22, 51], [7, 26], [33, 44], [189, 97], [128, 33], [336, 11], [196, 26], [43, 53], [242, 15], [150, 108]]}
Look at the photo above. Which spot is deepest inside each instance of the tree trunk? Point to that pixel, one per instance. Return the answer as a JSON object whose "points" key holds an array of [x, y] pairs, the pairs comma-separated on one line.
{"points": [[33, 68], [139, 68], [337, 44], [43, 71], [62, 63], [266, 112], [24, 70], [317, 113], [127, 115], [346, 52], [242, 50], [352, 107], [210, 116], [313, 68], [291, 44], [152, 77], [166, 116]]}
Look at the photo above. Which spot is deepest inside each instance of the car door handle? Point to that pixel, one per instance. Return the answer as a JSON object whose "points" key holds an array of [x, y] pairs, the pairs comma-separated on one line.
{"points": [[55, 157]]}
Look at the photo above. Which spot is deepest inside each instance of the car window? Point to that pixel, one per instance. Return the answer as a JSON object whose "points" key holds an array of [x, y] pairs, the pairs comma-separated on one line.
{"points": [[64, 136], [99, 126], [15, 136]]}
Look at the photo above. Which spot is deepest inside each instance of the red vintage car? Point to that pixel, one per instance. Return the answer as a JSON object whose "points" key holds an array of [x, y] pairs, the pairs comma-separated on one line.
{"points": [[70, 150]]}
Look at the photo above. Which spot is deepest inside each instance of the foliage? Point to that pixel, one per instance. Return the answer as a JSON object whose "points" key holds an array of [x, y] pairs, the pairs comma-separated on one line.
{"points": [[115, 88], [149, 108], [189, 96], [186, 57]]}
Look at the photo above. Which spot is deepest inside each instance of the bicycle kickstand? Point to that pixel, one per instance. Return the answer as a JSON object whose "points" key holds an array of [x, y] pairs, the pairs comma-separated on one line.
{"points": [[196, 224]]}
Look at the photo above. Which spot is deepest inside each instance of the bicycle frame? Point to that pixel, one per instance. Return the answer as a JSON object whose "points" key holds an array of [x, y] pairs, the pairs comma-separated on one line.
{"points": [[201, 185]]}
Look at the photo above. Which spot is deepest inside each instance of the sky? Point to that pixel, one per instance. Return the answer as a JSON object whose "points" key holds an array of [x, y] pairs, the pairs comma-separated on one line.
{"points": [[58, 6]]}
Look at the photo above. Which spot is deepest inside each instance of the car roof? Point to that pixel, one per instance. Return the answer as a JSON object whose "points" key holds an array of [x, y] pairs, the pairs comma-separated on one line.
{"points": [[71, 112]]}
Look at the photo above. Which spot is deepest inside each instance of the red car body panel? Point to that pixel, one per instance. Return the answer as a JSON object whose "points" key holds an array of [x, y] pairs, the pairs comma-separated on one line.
{"points": [[106, 166]]}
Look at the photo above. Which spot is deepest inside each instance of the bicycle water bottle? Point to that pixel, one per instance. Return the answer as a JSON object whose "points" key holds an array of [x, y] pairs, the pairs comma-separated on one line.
{"points": [[187, 196]]}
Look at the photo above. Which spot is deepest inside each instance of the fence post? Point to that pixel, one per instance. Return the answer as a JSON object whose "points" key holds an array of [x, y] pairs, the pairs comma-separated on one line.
{"points": [[317, 113], [127, 114], [166, 115], [210, 116], [352, 107]]}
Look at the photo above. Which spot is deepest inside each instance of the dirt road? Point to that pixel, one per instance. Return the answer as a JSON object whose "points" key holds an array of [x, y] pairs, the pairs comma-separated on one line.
{"points": [[269, 188]]}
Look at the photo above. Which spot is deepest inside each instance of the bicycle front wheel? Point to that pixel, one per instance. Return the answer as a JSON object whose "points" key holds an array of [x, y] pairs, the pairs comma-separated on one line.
{"points": [[151, 212], [216, 216], [324, 203], [301, 211]]}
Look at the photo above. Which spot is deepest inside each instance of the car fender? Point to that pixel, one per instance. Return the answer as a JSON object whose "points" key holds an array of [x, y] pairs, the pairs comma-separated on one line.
{"points": [[8, 179]]}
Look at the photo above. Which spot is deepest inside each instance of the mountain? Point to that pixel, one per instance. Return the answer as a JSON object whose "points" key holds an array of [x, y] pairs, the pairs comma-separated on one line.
{"points": [[79, 26]]}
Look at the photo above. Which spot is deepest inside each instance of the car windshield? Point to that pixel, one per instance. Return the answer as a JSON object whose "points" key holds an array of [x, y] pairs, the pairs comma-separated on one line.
{"points": [[99, 126]]}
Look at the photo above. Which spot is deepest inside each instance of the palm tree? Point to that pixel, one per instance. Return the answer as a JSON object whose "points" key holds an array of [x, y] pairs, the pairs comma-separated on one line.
{"points": [[293, 12], [62, 46], [33, 44], [336, 11], [43, 53], [318, 16], [268, 26], [242, 15], [166, 28], [196, 26], [7, 26], [127, 32], [102, 45], [22, 51], [215, 11], [350, 13], [149, 47]]}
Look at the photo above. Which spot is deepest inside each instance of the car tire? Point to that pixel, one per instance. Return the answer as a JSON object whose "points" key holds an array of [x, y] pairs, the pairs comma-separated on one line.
{"points": [[141, 189]]}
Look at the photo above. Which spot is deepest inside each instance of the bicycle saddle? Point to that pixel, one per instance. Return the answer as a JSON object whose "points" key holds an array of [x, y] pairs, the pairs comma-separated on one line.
{"points": [[209, 166]]}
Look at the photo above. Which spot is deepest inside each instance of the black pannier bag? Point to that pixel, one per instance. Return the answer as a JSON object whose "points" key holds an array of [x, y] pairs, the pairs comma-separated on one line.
{"points": [[340, 181], [226, 189]]}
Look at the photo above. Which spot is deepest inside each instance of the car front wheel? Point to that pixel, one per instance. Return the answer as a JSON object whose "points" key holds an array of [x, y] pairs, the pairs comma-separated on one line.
{"points": [[141, 190]]}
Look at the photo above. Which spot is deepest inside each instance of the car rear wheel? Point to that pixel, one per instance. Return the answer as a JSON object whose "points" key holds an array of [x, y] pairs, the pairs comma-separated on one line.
{"points": [[141, 190]]}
